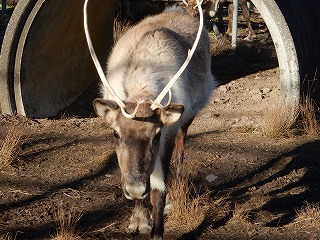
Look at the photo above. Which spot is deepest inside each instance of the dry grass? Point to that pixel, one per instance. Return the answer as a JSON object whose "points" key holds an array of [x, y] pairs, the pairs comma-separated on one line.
{"points": [[5, 237], [126, 8], [67, 221], [307, 222], [308, 216], [240, 214], [119, 29], [238, 226], [189, 207], [308, 120], [280, 119], [136, 10], [219, 46], [239, 223], [10, 144]]}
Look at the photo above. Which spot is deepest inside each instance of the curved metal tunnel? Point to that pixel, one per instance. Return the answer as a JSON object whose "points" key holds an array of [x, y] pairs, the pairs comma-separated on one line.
{"points": [[45, 64], [293, 26]]}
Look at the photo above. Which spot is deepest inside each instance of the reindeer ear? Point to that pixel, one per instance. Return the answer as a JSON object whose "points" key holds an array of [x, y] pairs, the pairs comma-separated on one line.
{"points": [[105, 108], [170, 114]]}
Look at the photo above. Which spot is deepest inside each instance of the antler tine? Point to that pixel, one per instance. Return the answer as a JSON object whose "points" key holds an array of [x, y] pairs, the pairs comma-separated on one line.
{"points": [[99, 68], [158, 105], [133, 114], [157, 102], [197, 4], [185, 2]]}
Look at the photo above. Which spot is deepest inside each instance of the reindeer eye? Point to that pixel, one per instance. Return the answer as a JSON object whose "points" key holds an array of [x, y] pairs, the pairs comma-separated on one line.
{"points": [[157, 136], [116, 134]]}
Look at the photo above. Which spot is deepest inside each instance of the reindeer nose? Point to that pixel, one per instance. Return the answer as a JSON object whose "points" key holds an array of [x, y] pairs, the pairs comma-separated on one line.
{"points": [[135, 191]]}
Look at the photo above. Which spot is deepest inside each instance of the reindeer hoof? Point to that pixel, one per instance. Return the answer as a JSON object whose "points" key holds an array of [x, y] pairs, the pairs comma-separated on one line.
{"points": [[142, 228], [145, 228], [219, 35], [139, 224], [133, 227], [168, 205], [250, 38]]}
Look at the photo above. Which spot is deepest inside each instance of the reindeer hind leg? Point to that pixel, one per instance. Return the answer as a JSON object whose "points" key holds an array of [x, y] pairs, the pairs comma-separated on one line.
{"points": [[245, 12]]}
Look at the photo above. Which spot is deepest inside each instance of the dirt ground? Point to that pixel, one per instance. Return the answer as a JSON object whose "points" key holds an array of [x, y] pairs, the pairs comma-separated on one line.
{"points": [[67, 165]]}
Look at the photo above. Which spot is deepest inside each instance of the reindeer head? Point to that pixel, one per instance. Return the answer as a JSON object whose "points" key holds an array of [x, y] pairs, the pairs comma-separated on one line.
{"points": [[137, 141], [209, 6]]}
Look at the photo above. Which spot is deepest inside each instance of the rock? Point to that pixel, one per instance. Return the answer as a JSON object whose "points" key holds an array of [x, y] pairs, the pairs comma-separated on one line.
{"points": [[265, 90], [257, 96], [255, 92], [221, 100], [211, 178], [216, 100], [224, 89]]}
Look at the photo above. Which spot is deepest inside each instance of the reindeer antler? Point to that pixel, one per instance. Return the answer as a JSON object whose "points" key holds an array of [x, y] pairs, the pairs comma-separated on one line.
{"points": [[157, 102], [99, 68]]}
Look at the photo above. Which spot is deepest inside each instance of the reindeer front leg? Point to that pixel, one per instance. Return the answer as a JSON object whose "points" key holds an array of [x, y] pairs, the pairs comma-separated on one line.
{"points": [[179, 144], [245, 12], [230, 19], [140, 219], [158, 199]]}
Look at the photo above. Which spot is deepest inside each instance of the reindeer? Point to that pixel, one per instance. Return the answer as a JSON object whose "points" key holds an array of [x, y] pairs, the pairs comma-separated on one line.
{"points": [[147, 132], [211, 7]]}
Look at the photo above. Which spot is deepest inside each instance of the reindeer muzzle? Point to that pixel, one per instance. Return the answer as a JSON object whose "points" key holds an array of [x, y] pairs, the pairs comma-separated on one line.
{"points": [[135, 188]]}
